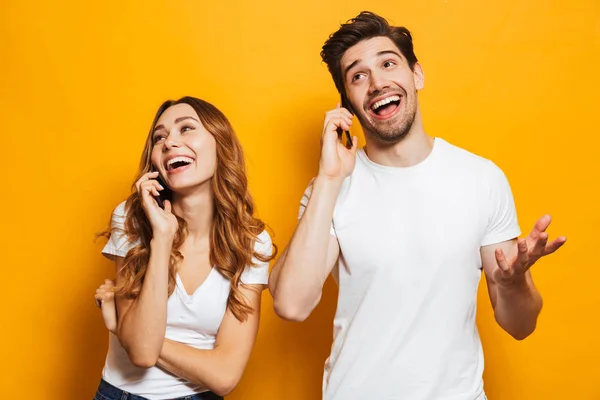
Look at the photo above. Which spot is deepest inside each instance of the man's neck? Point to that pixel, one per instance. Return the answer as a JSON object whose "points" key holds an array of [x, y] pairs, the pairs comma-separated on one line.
{"points": [[411, 150]]}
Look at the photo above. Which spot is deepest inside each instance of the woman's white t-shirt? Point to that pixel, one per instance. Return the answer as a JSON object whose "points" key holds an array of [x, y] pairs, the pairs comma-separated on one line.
{"points": [[191, 319]]}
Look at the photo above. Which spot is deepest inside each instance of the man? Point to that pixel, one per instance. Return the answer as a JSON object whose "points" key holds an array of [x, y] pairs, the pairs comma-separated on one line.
{"points": [[406, 225]]}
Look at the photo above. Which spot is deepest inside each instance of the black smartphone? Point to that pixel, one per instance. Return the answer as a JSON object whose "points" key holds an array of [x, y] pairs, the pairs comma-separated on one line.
{"points": [[345, 105], [165, 194]]}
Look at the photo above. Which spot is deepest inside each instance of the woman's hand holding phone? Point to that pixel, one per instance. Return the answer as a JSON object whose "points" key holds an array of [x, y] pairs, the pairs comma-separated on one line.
{"points": [[337, 161], [163, 221]]}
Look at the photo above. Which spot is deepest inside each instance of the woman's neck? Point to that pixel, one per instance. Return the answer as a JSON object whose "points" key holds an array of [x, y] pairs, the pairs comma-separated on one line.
{"points": [[197, 208]]}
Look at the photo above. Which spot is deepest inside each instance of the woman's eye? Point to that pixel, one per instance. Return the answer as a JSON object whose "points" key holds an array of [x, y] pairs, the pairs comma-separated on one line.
{"points": [[158, 138], [186, 128]]}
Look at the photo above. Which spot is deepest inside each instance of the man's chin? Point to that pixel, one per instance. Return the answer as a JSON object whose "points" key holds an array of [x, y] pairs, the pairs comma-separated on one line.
{"points": [[388, 134], [390, 138]]}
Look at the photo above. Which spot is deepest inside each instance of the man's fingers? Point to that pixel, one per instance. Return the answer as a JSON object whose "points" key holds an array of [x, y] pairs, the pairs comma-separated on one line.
{"points": [[522, 255], [330, 132], [540, 226], [555, 245], [339, 111], [344, 124], [540, 246], [501, 260], [354, 144]]}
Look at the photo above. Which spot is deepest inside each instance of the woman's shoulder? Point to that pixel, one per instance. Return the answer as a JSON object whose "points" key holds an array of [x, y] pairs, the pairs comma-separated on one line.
{"points": [[120, 210], [263, 243]]}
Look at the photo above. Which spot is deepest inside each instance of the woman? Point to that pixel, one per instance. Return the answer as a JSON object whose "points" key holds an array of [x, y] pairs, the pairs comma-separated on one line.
{"points": [[189, 275]]}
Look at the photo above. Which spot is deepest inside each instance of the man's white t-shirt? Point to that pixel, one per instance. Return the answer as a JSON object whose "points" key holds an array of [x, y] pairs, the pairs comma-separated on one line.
{"points": [[191, 319], [408, 275]]}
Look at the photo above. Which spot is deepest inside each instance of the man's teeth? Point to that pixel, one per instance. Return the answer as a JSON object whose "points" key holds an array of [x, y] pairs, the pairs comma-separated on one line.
{"points": [[385, 101], [183, 159]]}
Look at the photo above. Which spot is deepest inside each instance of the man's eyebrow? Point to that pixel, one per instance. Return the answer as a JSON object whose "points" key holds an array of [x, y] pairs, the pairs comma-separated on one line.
{"points": [[381, 53]]}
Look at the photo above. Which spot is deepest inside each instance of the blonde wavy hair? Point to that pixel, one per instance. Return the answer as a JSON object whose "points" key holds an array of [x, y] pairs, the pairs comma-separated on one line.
{"points": [[234, 230]]}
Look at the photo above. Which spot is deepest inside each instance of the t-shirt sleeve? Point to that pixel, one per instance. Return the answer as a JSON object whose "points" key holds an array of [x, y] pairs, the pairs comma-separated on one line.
{"points": [[258, 273], [502, 215], [118, 244], [304, 204]]}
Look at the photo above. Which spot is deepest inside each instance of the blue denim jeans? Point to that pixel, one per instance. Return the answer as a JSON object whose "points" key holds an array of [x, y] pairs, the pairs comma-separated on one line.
{"points": [[106, 391]]}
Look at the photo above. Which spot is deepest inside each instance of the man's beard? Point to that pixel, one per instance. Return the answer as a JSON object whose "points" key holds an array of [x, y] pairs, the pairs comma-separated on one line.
{"points": [[390, 132]]}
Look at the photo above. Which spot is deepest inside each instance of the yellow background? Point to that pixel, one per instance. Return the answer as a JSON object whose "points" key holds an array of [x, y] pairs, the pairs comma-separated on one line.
{"points": [[514, 81]]}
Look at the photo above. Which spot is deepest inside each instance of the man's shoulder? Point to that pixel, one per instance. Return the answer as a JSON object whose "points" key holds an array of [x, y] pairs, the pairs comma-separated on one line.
{"points": [[460, 154]]}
